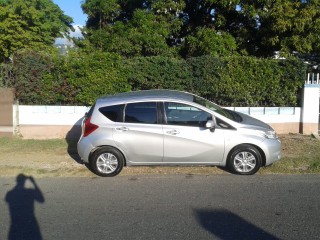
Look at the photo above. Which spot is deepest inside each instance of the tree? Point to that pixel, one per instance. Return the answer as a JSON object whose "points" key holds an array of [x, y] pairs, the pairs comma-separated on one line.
{"points": [[209, 13], [143, 35], [170, 12], [260, 27], [101, 13], [153, 28], [195, 27], [206, 41], [282, 25], [30, 24]]}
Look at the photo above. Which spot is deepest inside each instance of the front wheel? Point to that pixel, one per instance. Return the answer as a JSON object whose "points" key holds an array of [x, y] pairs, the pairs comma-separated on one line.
{"points": [[245, 160], [107, 162]]}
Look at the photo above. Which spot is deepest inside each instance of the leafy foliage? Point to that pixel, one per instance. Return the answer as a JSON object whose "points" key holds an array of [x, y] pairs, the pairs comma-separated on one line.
{"points": [[158, 72], [32, 24], [247, 81], [29, 70], [204, 46], [93, 75], [208, 42], [78, 78], [200, 27], [284, 26], [81, 77], [142, 35], [229, 81]]}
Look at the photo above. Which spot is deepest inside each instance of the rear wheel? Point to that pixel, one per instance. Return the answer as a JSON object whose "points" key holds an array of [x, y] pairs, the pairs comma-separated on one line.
{"points": [[245, 160], [107, 162]]}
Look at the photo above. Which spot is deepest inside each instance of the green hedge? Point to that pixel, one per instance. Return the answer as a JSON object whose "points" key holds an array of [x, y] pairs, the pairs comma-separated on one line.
{"points": [[95, 74], [79, 78], [248, 81], [145, 73], [230, 81], [76, 79]]}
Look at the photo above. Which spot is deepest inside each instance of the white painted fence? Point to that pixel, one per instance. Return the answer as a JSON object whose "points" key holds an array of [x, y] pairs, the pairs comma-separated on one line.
{"points": [[59, 121]]}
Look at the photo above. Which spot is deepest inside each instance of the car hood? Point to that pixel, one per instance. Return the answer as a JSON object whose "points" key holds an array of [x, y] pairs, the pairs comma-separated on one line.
{"points": [[250, 122]]}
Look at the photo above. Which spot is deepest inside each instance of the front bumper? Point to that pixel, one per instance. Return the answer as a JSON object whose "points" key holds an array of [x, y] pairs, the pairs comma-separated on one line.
{"points": [[272, 150]]}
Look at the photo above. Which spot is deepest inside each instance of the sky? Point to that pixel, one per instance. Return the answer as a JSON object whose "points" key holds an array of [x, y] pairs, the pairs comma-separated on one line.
{"points": [[73, 9]]}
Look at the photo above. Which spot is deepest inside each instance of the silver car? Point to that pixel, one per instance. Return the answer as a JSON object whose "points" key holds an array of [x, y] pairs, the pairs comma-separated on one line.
{"points": [[166, 127]]}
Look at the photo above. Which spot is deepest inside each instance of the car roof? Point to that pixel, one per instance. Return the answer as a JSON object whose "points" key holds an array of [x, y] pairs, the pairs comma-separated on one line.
{"points": [[158, 94]]}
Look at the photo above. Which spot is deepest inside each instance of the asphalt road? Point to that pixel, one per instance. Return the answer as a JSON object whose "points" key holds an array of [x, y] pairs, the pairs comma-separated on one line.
{"points": [[162, 207]]}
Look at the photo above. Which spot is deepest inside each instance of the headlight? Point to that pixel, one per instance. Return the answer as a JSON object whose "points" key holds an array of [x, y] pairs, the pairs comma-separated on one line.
{"points": [[271, 134]]}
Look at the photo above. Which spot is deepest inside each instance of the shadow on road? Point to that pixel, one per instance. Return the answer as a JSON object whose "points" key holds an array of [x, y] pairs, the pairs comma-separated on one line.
{"points": [[226, 225], [21, 201]]}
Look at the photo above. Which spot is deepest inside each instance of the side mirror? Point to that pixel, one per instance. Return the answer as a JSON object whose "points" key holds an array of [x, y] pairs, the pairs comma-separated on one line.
{"points": [[211, 125]]}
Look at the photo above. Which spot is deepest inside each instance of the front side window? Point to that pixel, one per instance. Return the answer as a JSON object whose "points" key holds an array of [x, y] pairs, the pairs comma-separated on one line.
{"points": [[145, 112], [185, 115], [214, 107]]}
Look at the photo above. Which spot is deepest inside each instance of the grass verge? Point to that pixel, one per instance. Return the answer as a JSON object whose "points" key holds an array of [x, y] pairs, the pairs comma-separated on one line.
{"points": [[58, 158]]}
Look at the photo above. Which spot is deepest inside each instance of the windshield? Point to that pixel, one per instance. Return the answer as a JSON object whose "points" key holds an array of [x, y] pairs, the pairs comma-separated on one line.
{"points": [[214, 107]]}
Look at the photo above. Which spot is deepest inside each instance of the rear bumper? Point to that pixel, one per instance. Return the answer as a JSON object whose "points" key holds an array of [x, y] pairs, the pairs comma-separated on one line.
{"points": [[84, 148]]}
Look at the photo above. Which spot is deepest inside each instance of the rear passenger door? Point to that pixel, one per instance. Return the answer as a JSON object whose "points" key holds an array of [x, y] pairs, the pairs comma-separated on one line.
{"points": [[139, 135]]}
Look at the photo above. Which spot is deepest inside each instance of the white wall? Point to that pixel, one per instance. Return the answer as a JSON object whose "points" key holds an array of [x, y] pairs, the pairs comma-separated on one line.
{"points": [[50, 115], [41, 122], [69, 115], [57, 121], [272, 114]]}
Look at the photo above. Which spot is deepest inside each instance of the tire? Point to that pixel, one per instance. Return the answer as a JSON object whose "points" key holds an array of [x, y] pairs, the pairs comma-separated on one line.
{"points": [[107, 162], [244, 160]]}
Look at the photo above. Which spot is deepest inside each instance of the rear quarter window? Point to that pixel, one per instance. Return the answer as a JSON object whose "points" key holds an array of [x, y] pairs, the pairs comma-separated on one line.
{"points": [[89, 113], [113, 113]]}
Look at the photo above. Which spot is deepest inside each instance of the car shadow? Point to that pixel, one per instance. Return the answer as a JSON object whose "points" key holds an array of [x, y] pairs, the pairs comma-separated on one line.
{"points": [[225, 169], [226, 225], [72, 139]]}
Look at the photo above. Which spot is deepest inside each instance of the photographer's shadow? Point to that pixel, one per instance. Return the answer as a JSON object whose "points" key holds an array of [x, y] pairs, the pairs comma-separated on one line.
{"points": [[21, 201]]}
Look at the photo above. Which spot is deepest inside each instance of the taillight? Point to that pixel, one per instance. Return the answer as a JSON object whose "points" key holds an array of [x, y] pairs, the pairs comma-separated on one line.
{"points": [[88, 127]]}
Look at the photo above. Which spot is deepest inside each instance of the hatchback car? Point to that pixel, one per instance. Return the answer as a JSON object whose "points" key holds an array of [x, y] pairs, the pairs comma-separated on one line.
{"points": [[166, 127]]}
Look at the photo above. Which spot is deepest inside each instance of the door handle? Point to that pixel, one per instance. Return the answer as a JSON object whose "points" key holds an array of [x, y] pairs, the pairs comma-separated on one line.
{"points": [[122, 129], [173, 132]]}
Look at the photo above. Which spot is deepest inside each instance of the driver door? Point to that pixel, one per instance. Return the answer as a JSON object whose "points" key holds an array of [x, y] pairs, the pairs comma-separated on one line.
{"points": [[186, 139]]}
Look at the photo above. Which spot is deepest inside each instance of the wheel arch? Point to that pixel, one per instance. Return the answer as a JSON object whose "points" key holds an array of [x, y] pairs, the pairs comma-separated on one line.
{"points": [[102, 146], [263, 156]]}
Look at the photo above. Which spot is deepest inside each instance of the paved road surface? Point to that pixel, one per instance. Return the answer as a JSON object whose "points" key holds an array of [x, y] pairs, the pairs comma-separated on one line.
{"points": [[223, 207]]}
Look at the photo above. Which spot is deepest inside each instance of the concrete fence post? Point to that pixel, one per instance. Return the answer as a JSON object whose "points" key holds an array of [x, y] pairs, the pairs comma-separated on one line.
{"points": [[310, 109], [6, 112]]}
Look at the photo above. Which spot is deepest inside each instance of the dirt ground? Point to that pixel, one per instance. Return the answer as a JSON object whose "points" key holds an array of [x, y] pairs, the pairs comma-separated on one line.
{"points": [[58, 158]]}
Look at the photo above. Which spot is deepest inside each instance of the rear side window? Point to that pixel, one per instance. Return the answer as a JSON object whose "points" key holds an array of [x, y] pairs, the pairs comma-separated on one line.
{"points": [[145, 112], [113, 113], [88, 114]]}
